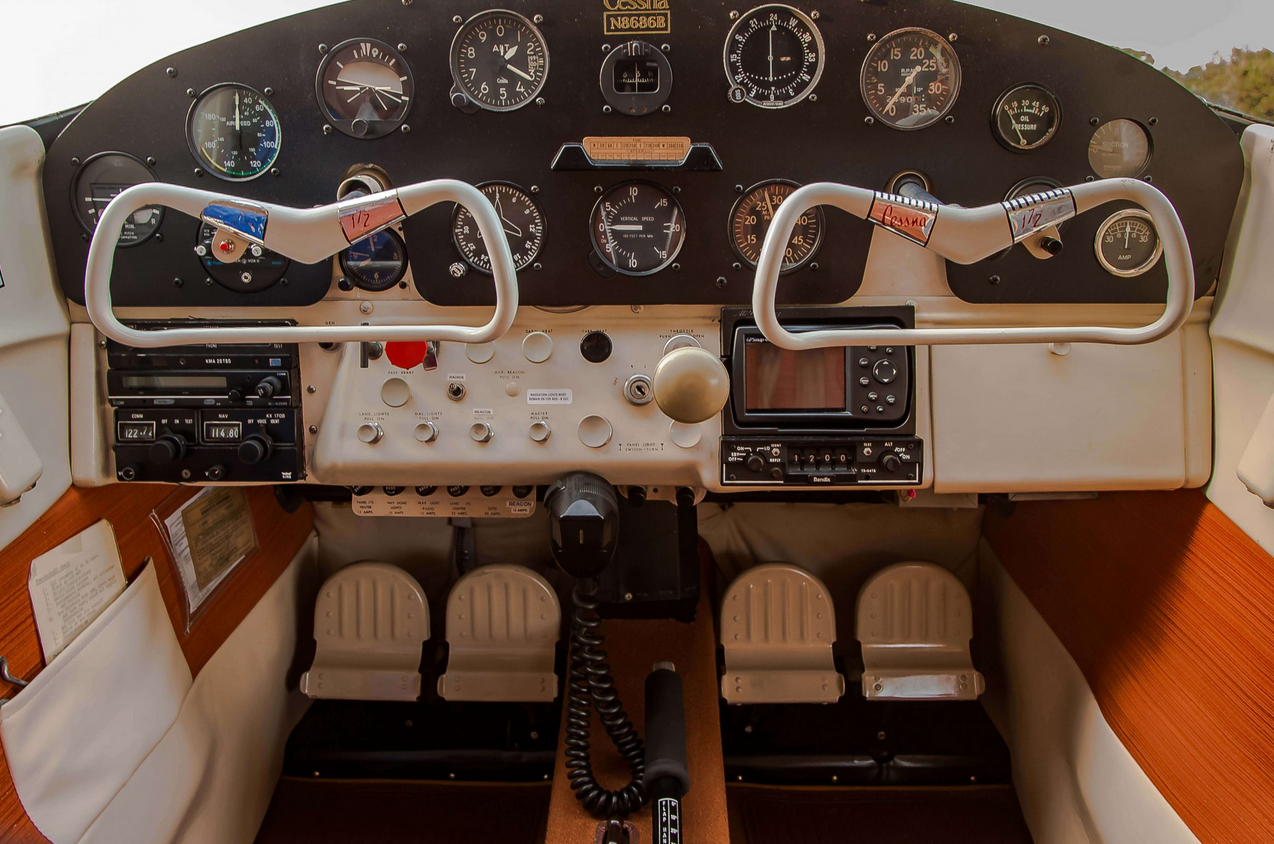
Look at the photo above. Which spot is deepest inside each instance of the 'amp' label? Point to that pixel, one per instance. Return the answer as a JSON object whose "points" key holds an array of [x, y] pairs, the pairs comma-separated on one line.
{"points": [[636, 17]]}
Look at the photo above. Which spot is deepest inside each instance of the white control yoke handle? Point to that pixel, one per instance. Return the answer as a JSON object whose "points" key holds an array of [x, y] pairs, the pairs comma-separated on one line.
{"points": [[307, 235], [967, 235]]}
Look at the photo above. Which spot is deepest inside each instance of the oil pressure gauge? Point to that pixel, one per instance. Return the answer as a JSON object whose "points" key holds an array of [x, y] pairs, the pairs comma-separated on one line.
{"points": [[1026, 117], [1128, 244]]}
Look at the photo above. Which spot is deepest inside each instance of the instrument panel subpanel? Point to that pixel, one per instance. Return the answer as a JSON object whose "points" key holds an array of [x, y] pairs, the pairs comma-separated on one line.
{"points": [[827, 133]]}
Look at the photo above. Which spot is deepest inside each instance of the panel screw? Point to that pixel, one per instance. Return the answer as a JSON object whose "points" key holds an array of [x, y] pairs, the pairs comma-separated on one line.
{"points": [[869, 120], [405, 128], [676, 188], [952, 37], [311, 389], [606, 109], [721, 282], [737, 266], [190, 92], [676, 268], [198, 171], [275, 171], [1093, 121], [814, 267], [314, 429], [597, 188], [665, 47], [402, 48], [628, 596], [535, 188], [1090, 178], [537, 19], [1149, 179], [813, 98], [178, 282], [1044, 40], [738, 188], [327, 129], [950, 119], [101, 344], [995, 279], [457, 19], [537, 266], [667, 109], [734, 16], [172, 72], [871, 36], [1153, 121], [366, 307], [814, 15], [75, 162], [539, 101], [269, 92], [150, 159], [322, 49], [606, 48], [159, 237]]}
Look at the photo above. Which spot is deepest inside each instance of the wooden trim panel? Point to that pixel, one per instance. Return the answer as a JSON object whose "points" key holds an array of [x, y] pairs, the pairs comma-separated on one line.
{"points": [[280, 536], [1168, 608]]}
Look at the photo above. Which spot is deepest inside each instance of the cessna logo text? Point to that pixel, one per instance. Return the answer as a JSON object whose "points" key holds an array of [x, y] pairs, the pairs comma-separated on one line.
{"points": [[636, 17]]}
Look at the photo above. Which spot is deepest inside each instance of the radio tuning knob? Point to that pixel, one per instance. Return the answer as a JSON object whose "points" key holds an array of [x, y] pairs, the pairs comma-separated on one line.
{"points": [[691, 385], [256, 448], [891, 462], [756, 464], [269, 387], [167, 448]]}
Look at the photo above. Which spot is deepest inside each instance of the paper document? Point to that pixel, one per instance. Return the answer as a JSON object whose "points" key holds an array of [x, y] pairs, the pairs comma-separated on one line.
{"points": [[72, 584], [210, 535]]}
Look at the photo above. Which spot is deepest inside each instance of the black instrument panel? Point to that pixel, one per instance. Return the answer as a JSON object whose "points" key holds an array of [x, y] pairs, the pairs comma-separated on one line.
{"points": [[824, 134]]}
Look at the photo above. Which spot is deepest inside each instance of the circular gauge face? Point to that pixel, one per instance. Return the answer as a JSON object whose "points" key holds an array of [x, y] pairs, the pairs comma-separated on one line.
{"points": [[1128, 244], [104, 177], [773, 57], [258, 269], [234, 132], [910, 78], [638, 228], [1119, 148], [523, 222], [365, 88], [750, 221], [377, 262], [636, 78], [1026, 117], [499, 60]]}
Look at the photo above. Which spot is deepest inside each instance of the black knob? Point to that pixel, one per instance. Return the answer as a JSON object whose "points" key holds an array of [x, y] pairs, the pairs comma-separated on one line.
{"points": [[523, 491], [756, 464], [360, 491], [167, 448], [216, 473], [255, 448], [1051, 245], [426, 491], [269, 387], [235, 396], [885, 371], [457, 491], [891, 462], [490, 491], [583, 523], [596, 347]]}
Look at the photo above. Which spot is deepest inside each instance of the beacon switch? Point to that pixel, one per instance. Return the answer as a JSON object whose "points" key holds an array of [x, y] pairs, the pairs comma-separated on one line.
{"points": [[691, 385]]}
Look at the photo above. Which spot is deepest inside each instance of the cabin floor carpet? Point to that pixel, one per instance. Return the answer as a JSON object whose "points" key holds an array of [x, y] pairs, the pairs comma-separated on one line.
{"points": [[916, 815], [379, 811]]}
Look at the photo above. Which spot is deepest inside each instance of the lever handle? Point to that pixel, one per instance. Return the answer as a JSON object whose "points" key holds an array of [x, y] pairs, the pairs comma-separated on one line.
{"points": [[307, 235]]}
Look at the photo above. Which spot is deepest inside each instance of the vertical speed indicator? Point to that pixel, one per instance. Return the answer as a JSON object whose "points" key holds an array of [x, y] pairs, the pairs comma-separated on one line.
{"points": [[773, 57], [638, 228]]}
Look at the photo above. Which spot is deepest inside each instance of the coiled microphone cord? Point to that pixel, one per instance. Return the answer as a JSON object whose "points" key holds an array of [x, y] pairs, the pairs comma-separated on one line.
{"points": [[590, 684]]}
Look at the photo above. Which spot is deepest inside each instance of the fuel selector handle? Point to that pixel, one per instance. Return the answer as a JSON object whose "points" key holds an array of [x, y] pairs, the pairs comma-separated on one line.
{"points": [[691, 385]]}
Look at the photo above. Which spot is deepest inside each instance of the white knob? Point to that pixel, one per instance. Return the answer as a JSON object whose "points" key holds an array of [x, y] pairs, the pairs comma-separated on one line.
{"points": [[395, 392], [537, 347], [540, 431], [595, 431], [480, 353], [370, 433], [426, 432], [691, 385], [481, 432]]}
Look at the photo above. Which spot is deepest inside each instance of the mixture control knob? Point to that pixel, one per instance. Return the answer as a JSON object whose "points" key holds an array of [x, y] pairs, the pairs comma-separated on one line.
{"points": [[370, 433], [691, 385], [481, 432], [167, 448], [891, 462], [256, 448], [756, 464], [539, 431], [269, 387]]}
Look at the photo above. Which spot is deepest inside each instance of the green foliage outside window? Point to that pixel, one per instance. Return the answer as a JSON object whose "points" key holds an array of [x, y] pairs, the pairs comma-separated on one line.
{"points": [[1243, 81]]}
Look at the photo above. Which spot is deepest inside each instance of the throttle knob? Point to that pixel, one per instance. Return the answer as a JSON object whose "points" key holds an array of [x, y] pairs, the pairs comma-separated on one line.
{"points": [[691, 385]]}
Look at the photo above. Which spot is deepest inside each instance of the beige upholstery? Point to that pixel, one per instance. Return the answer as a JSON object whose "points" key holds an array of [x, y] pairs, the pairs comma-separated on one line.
{"points": [[370, 621], [915, 621], [502, 627], [777, 628]]}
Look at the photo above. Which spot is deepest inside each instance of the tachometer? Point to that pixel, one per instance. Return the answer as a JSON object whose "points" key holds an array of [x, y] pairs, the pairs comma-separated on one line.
{"points": [[523, 222], [773, 57], [638, 228], [1026, 117], [1119, 148], [751, 218], [910, 78], [234, 132], [1128, 244], [365, 88], [104, 177], [499, 61]]}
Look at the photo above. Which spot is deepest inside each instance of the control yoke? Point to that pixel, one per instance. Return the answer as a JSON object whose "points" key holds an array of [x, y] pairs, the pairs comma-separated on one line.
{"points": [[306, 235], [968, 235]]}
